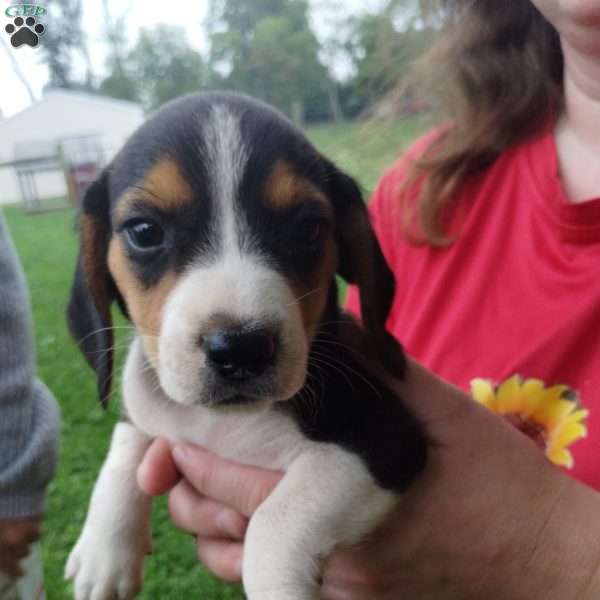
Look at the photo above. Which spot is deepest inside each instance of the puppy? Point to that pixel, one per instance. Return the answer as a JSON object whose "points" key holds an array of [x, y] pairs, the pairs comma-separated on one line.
{"points": [[218, 230]]}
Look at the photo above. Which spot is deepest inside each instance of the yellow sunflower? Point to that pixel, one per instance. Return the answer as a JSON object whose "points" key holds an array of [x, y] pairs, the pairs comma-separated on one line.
{"points": [[550, 416]]}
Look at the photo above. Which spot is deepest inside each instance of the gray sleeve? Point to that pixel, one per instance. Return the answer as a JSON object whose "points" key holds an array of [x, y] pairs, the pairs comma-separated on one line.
{"points": [[29, 417]]}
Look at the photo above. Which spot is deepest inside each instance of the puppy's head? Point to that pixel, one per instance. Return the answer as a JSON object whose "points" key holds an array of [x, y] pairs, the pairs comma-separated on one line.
{"points": [[218, 229]]}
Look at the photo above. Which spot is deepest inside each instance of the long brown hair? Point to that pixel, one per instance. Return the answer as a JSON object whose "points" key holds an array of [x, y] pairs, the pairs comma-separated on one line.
{"points": [[496, 74]]}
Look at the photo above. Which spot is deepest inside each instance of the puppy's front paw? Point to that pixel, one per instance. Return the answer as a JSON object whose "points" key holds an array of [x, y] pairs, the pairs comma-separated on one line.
{"points": [[104, 569]]}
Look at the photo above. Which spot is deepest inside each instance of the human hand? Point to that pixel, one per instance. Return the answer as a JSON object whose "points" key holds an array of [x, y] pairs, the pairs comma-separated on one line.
{"points": [[489, 518], [213, 501], [16, 535]]}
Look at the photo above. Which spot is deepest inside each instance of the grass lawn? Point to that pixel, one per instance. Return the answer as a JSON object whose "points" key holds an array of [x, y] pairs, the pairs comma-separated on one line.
{"points": [[47, 246]]}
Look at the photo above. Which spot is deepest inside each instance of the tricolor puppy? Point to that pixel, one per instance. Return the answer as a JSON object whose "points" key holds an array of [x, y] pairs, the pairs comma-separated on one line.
{"points": [[219, 229]]}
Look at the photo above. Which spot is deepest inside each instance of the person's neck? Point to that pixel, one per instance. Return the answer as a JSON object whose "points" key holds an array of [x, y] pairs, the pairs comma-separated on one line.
{"points": [[582, 92], [578, 129]]}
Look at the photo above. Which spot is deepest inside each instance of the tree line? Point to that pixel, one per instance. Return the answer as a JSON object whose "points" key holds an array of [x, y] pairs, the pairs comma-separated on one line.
{"points": [[270, 49]]}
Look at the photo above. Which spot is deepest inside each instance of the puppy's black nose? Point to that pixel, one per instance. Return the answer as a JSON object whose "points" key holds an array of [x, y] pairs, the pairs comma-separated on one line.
{"points": [[240, 354]]}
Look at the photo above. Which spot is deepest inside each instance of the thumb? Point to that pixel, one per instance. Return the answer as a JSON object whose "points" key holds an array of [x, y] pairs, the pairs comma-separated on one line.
{"points": [[157, 472], [237, 486]]}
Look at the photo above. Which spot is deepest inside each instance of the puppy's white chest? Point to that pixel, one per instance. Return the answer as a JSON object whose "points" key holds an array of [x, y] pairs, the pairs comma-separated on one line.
{"points": [[260, 437]]}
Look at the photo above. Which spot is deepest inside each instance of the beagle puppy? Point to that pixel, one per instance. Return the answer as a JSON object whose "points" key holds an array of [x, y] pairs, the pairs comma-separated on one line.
{"points": [[218, 230]]}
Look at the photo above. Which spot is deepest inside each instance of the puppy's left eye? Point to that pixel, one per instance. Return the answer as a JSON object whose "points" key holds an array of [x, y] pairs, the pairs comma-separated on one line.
{"points": [[310, 231], [144, 234]]}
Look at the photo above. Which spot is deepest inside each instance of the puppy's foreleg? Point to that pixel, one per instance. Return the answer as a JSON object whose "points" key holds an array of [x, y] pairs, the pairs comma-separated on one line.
{"points": [[326, 498], [107, 561]]}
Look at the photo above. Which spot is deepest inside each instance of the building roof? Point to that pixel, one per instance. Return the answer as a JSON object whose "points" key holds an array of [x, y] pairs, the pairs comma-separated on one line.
{"points": [[57, 94], [52, 92], [64, 114]]}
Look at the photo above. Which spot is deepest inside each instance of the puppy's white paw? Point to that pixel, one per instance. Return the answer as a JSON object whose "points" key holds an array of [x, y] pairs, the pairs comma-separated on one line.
{"points": [[103, 569]]}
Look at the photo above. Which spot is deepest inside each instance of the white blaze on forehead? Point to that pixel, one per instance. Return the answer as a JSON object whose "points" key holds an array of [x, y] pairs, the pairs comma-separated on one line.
{"points": [[226, 157]]}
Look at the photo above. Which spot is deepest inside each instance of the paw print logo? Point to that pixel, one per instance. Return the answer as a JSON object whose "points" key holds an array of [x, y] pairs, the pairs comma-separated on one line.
{"points": [[24, 32]]}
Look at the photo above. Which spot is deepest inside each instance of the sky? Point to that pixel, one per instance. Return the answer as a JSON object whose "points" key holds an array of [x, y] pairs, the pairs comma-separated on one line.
{"points": [[141, 13]]}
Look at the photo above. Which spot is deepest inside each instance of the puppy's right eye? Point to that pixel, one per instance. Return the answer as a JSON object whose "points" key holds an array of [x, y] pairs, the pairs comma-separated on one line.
{"points": [[144, 234]]}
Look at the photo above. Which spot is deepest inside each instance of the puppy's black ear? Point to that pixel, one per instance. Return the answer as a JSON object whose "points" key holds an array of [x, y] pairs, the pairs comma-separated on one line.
{"points": [[93, 290], [361, 262]]}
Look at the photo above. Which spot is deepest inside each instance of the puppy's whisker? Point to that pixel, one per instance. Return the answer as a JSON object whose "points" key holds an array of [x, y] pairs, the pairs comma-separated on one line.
{"points": [[332, 361], [306, 395], [318, 358], [351, 370], [312, 399], [333, 343], [297, 300], [120, 345], [113, 348], [101, 329], [123, 344], [122, 380], [313, 376]]}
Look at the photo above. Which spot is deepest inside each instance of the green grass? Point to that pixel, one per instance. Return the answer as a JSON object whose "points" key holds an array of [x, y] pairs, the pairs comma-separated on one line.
{"points": [[366, 149], [47, 247]]}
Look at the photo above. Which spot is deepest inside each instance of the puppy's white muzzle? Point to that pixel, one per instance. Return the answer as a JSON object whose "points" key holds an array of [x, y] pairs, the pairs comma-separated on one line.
{"points": [[231, 332]]}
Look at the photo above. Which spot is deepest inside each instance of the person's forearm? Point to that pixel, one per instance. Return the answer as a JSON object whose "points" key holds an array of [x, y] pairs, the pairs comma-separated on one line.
{"points": [[557, 555], [568, 555], [28, 412]]}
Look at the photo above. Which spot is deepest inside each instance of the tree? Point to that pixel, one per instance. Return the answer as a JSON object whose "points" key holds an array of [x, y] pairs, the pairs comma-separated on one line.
{"points": [[18, 71], [267, 49], [120, 82], [165, 65], [284, 63], [243, 17], [161, 66], [64, 37], [333, 19], [381, 49]]}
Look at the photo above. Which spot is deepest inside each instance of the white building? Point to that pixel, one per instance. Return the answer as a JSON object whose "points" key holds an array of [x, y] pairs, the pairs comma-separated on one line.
{"points": [[60, 116]]}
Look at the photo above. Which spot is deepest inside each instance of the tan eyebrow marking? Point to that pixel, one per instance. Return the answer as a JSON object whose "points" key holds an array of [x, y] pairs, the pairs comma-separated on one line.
{"points": [[163, 186], [286, 187]]}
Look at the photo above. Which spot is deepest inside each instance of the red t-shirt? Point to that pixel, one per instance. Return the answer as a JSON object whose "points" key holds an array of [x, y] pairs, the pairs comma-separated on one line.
{"points": [[518, 292]]}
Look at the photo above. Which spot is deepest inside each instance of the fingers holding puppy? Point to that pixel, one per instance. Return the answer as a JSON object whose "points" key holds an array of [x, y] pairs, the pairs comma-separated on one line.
{"points": [[209, 497], [240, 487], [204, 517], [222, 557], [158, 473], [219, 530]]}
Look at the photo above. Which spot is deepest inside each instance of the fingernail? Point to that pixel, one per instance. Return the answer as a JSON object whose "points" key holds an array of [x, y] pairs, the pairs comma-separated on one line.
{"points": [[180, 453], [228, 523], [239, 566]]}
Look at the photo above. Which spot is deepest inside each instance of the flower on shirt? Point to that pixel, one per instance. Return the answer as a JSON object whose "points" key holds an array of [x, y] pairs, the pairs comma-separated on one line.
{"points": [[550, 416]]}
